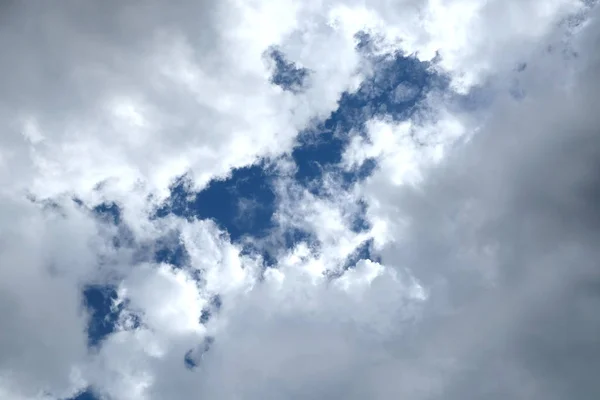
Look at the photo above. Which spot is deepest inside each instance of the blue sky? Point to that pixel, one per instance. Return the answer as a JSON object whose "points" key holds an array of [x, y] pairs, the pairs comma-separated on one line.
{"points": [[243, 205], [299, 200]]}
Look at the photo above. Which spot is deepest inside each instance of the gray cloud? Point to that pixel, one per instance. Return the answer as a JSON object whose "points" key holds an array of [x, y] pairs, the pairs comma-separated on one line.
{"points": [[502, 233], [505, 233]]}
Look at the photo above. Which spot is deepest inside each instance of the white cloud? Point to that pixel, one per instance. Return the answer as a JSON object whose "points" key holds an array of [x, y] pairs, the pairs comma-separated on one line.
{"points": [[475, 39], [180, 314], [152, 93], [476, 214]]}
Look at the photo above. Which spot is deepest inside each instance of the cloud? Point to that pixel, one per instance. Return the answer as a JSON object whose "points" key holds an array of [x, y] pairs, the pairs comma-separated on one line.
{"points": [[148, 92], [502, 233], [479, 277], [45, 258], [109, 103], [474, 39]]}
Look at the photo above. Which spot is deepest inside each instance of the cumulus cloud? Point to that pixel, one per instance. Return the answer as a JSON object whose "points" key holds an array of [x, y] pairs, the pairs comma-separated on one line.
{"points": [[472, 271]]}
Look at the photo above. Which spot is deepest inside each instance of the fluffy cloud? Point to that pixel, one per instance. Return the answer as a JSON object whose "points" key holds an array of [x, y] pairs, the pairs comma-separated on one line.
{"points": [[125, 93], [479, 218]]}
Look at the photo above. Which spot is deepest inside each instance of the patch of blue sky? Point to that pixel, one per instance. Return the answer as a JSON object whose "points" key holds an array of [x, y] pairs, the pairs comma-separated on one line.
{"points": [[87, 394], [358, 173], [103, 315], [396, 88], [287, 74], [242, 204]]}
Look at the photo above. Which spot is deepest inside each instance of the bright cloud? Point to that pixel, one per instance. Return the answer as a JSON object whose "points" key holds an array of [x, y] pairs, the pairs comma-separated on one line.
{"points": [[429, 236]]}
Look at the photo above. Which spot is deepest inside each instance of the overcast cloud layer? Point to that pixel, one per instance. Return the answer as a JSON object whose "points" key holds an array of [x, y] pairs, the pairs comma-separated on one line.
{"points": [[448, 252]]}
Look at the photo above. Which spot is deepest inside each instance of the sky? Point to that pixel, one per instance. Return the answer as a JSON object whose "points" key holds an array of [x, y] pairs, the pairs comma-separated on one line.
{"points": [[318, 199]]}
